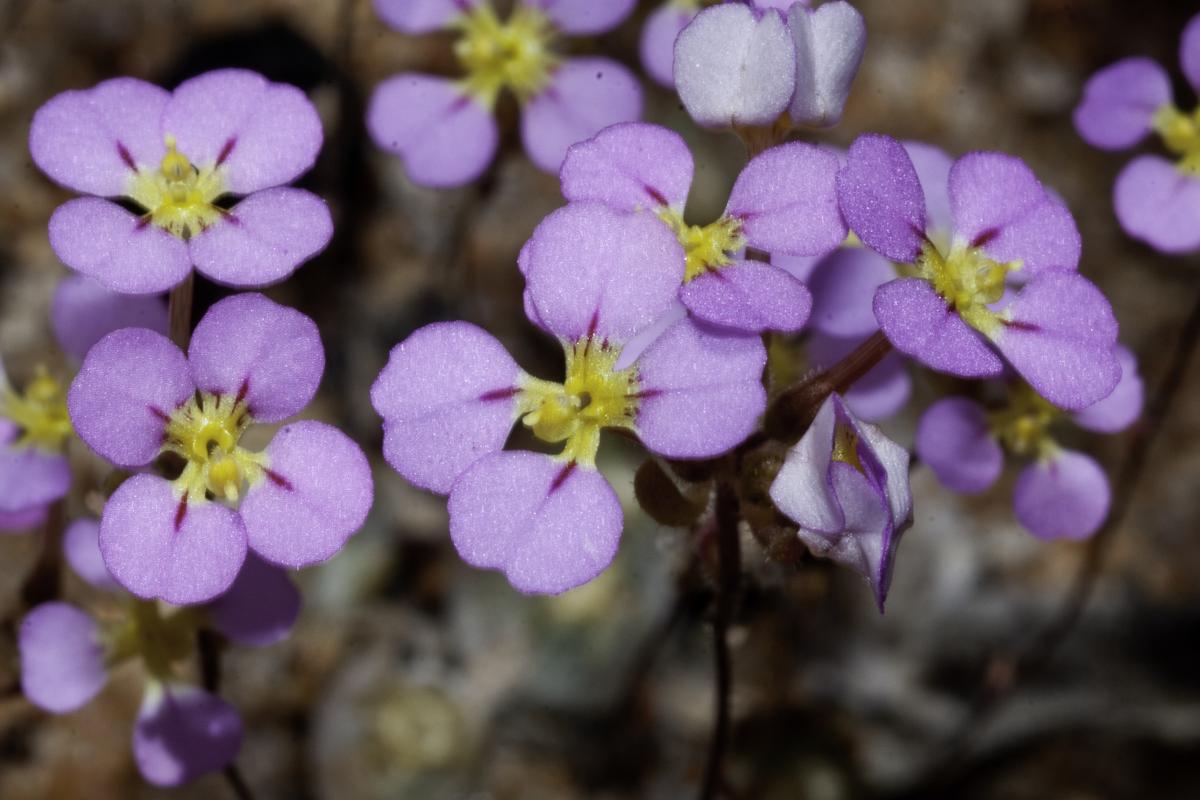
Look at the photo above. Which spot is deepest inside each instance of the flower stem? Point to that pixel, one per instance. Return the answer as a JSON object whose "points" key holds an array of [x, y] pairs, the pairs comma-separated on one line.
{"points": [[237, 783], [45, 580], [729, 569], [179, 311]]}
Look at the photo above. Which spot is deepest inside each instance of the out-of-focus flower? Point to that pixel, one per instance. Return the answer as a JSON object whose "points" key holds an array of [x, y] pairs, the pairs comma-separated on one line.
{"points": [[444, 130], [180, 157], [846, 485], [450, 394], [294, 503], [1156, 201]]}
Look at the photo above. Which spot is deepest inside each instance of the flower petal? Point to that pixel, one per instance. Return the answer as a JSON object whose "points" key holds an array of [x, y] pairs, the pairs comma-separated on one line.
{"points": [[183, 732], [584, 96], [1123, 406], [801, 489], [121, 251], [263, 134], [732, 68], [595, 271], [83, 312], [881, 198], [444, 137], [1064, 497], [629, 167], [62, 660], [701, 391], [260, 607], [81, 546], [316, 495], [24, 520], [30, 476], [264, 238], [996, 200], [584, 17], [954, 440], [447, 397], [128, 385], [933, 171], [919, 323], [548, 526], [1159, 204], [843, 285], [250, 346], [421, 16], [829, 42], [786, 198], [92, 140], [657, 45], [748, 297], [877, 395], [157, 546], [1189, 52], [1060, 336], [1119, 102]]}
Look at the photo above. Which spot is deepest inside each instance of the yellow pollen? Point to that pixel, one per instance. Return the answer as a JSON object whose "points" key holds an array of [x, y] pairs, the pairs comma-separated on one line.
{"points": [[1023, 426], [593, 396], [968, 280], [845, 446], [178, 197], [708, 247], [1180, 133], [40, 413], [206, 432], [497, 55]]}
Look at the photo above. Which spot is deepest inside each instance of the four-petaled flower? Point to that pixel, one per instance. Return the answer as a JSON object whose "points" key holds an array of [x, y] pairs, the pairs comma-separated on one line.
{"points": [[846, 485], [1058, 332], [295, 503], [184, 159], [1155, 200], [450, 394], [444, 129]]}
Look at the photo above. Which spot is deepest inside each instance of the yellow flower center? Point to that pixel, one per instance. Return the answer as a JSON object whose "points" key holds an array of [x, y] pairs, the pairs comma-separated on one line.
{"points": [[206, 432], [594, 395], [1023, 426], [178, 197], [845, 446], [708, 247], [161, 637], [1180, 133], [968, 280], [496, 55], [40, 413]]}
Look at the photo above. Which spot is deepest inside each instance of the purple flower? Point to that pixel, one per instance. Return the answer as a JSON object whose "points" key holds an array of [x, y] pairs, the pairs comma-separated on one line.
{"points": [[178, 157], [294, 503], [784, 201], [181, 731], [444, 129], [450, 395], [1156, 201], [746, 64], [1058, 332], [1061, 494], [34, 425], [846, 485]]}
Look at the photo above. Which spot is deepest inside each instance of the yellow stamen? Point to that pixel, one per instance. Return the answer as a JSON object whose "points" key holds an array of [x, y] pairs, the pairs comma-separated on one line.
{"points": [[1023, 426], [40, 413], [845, 446], [593, 396], [206, 432], [708, 247], [1180, 133], [178, 196], [497, 55], [160, 636], [968, 280]]}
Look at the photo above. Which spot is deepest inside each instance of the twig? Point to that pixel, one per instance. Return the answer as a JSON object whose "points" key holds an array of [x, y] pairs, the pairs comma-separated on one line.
{"points": [[241, 789]]}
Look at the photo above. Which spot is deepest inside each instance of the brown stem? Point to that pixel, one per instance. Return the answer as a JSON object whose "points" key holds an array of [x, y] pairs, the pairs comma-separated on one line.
{"points": [[237, 783], [729, 571], [179, 311], [45, 580]]}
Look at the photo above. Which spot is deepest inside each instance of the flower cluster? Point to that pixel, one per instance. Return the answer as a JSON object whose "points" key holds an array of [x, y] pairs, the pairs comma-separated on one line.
{"points": [[444, 129]]}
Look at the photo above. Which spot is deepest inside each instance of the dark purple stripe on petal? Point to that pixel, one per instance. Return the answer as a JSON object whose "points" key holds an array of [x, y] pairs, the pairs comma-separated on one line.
{"points": [[226, 150], [123, 152], [181, 513], [280, 481], [561, 478], [498, 394]]}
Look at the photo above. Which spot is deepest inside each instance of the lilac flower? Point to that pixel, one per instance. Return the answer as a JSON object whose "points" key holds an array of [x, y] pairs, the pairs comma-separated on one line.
{"points": [[34, 425], [846, 485], [294, 503], [1156, 201], [1058, 331], [444, 129], [746, 64], [450, 394], [181, 731], [784, 201], [1061, 494], [179, 157]]}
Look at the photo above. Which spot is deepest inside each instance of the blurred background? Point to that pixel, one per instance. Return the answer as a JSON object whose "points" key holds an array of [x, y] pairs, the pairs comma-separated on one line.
{"points": [[413, 676]]}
